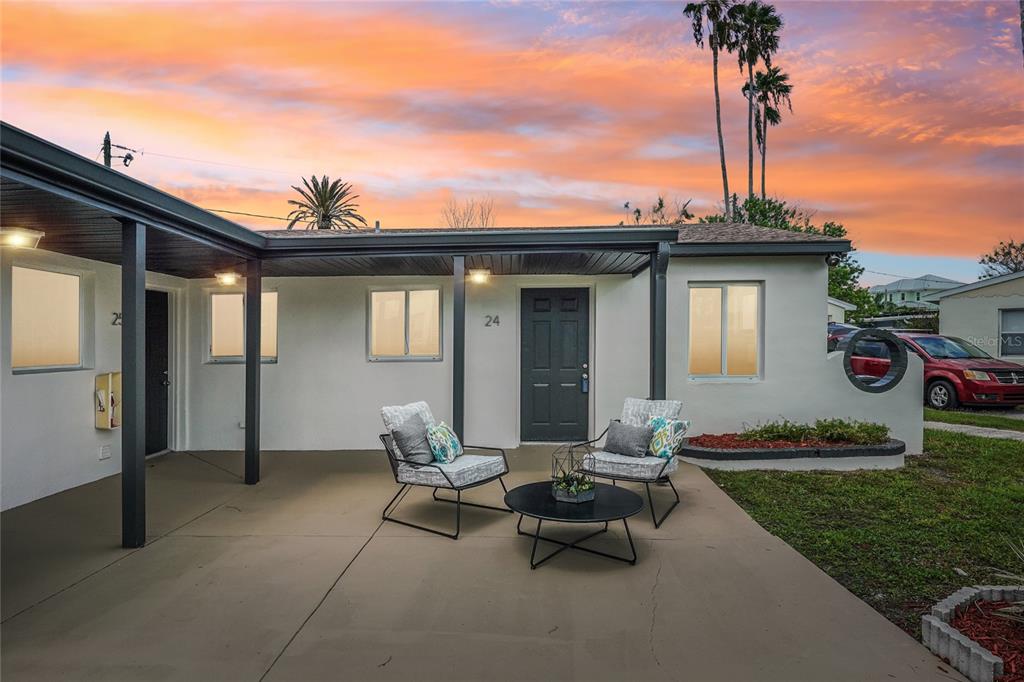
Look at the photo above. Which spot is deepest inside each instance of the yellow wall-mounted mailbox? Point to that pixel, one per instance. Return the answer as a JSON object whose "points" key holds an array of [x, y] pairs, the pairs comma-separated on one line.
{"points": [[107, 400]]}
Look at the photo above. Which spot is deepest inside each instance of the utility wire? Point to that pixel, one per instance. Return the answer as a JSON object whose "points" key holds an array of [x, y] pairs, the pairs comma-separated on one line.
{"points": [[253, 215], [888, 274]]}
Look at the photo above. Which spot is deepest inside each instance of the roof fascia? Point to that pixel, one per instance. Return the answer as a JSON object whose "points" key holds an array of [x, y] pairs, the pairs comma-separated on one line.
{"points": [[980, 284], [761, 248], [469, 243]]}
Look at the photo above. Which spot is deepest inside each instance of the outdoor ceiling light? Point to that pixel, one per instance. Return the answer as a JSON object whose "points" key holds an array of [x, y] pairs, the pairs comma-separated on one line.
{"points": [[479, 275], [20, 237], [227, 279]]}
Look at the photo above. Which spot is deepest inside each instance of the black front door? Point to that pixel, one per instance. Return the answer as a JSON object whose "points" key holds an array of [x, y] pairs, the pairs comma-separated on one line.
{"points": [[555, 364], [157, 338]]}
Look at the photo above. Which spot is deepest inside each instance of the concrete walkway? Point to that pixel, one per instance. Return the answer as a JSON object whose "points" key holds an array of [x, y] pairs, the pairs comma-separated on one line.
{"points": [[297, 579], [982, 431]]}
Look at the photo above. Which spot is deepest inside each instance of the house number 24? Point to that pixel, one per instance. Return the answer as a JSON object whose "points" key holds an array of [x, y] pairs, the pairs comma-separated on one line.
{"points": [[492, 321]]}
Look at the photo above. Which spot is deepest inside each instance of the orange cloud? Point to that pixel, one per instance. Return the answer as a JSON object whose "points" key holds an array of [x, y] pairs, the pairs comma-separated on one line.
{"points": [[906, 126]]}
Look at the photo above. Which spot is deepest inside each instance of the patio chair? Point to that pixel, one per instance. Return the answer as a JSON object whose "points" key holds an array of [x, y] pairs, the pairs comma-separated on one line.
{"points": [[465, 472], [646, 470]]}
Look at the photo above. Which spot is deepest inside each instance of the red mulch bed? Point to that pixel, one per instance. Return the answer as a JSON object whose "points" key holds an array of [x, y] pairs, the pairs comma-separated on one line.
{"points": [[732, 441], [1004, 638]]}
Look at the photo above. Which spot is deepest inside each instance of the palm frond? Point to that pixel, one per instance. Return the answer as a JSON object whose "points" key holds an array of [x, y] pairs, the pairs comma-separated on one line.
{"points": [[325, 205]]}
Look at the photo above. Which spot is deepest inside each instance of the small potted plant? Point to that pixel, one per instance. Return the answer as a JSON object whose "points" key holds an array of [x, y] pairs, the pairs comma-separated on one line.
{"points": [[569, 480]]}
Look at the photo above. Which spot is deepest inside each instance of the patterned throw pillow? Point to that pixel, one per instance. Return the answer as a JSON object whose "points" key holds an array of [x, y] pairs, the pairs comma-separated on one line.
{"points": [[443, 443], [668, 436]]}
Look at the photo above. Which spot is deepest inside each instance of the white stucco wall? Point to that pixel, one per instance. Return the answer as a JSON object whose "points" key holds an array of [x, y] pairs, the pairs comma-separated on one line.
{"points": [[799, 381], [974, 315], [49, 441], [323, 394]]}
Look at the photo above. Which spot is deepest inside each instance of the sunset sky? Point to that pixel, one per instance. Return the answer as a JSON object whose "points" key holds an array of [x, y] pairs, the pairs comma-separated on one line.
{"points": [[907, 123]]}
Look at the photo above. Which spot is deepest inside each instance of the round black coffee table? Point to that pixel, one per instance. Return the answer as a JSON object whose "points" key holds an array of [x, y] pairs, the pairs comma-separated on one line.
{"points": [[610, 503]]}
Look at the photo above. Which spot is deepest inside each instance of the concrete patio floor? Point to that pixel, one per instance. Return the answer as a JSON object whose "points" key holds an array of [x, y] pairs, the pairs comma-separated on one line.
{"points": [[297, 579]]}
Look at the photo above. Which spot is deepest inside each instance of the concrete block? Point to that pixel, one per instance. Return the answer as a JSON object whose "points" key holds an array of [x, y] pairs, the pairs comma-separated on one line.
{"points": [[977, 665], [936, 635], [963, 653], [943, 648]]}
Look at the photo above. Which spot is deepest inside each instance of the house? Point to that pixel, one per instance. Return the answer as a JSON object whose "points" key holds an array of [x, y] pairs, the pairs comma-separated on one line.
{"points": [[143, 323], [837, 309], [988, 313], [912, 292]]}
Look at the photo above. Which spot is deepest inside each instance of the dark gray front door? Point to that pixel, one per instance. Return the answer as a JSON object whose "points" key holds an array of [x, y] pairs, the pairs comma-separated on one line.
{"points": [[555, 364], [157, 380]]}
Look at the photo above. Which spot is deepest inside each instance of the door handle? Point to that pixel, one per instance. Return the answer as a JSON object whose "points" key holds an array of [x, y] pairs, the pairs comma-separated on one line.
{"points": [[585, 383], [165, 383]]}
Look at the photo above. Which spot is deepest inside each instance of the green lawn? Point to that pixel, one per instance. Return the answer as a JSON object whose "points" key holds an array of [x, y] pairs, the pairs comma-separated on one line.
{"points": [[894, 538], [992, 421]]}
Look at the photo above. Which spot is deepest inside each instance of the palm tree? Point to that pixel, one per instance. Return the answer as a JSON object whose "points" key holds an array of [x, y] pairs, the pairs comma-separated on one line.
{"points": [[757, 27], [325, 205], [720, 37], [772, 89]]}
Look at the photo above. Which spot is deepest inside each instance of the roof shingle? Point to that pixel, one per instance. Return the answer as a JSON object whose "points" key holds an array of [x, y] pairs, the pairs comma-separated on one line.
{"points": [[742, 233]]}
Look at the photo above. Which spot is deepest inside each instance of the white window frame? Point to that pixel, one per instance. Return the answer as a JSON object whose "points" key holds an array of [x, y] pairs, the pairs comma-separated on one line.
{"points": [[85, 318], [210, 358], [370, 357], [999, 336], [723, 376]]}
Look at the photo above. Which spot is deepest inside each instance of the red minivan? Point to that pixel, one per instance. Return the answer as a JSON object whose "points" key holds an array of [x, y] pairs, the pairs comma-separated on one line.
{"points": [[955, 371]]}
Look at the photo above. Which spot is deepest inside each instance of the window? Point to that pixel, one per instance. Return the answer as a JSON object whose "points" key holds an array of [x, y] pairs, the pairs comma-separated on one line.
{"points": [[405, 324], [1011, 332], [46, 319], [725, 330], [227, 327]]}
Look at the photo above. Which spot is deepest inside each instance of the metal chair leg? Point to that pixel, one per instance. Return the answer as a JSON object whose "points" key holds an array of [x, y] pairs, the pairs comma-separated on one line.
{"points": [[385, 515], [650, 503], [391, 506]]}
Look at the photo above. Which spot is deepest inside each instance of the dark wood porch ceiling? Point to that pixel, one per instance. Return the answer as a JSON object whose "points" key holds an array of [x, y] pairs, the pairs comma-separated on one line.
{"points": [[588, 263], [77, 229]]}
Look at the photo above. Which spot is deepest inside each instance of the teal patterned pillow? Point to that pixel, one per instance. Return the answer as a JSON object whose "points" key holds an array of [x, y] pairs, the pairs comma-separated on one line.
{"points": [[443, 443], [668, 436]]}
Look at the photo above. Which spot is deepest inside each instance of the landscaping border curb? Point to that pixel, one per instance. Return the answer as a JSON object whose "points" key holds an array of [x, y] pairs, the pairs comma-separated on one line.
{"points": [[963, 653], [893, 447]]}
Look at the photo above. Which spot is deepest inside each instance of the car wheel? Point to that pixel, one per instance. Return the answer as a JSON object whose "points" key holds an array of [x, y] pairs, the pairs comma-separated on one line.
{"points": [[941, 395]]}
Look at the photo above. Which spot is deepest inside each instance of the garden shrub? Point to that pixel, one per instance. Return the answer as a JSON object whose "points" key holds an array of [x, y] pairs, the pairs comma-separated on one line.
{"points": [[831, 430]]}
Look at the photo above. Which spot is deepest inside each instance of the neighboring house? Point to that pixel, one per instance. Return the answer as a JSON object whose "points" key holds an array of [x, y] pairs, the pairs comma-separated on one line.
{"points": [[837, 309], [988, 313], [511, 335], [913, 292]]}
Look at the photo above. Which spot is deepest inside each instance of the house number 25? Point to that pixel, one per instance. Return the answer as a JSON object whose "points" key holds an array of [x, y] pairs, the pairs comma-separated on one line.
{"points": [[492, 321]]}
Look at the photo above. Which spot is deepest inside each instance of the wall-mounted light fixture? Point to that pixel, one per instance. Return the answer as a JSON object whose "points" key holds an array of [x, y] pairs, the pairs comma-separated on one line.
{"points": [[20, 237], [479, 275], [227, 279]]}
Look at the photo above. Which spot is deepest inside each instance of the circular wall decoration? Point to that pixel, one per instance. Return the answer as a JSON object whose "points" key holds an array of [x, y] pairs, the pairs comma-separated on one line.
{"points": [[897, 361]]}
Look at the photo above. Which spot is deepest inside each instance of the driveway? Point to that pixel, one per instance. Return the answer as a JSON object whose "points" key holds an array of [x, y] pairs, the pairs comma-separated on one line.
{"points": [[296, 578]]}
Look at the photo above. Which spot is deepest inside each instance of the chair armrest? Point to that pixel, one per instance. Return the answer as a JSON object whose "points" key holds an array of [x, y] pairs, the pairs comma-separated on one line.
{"points": [[484, 447], [588, 443]]}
